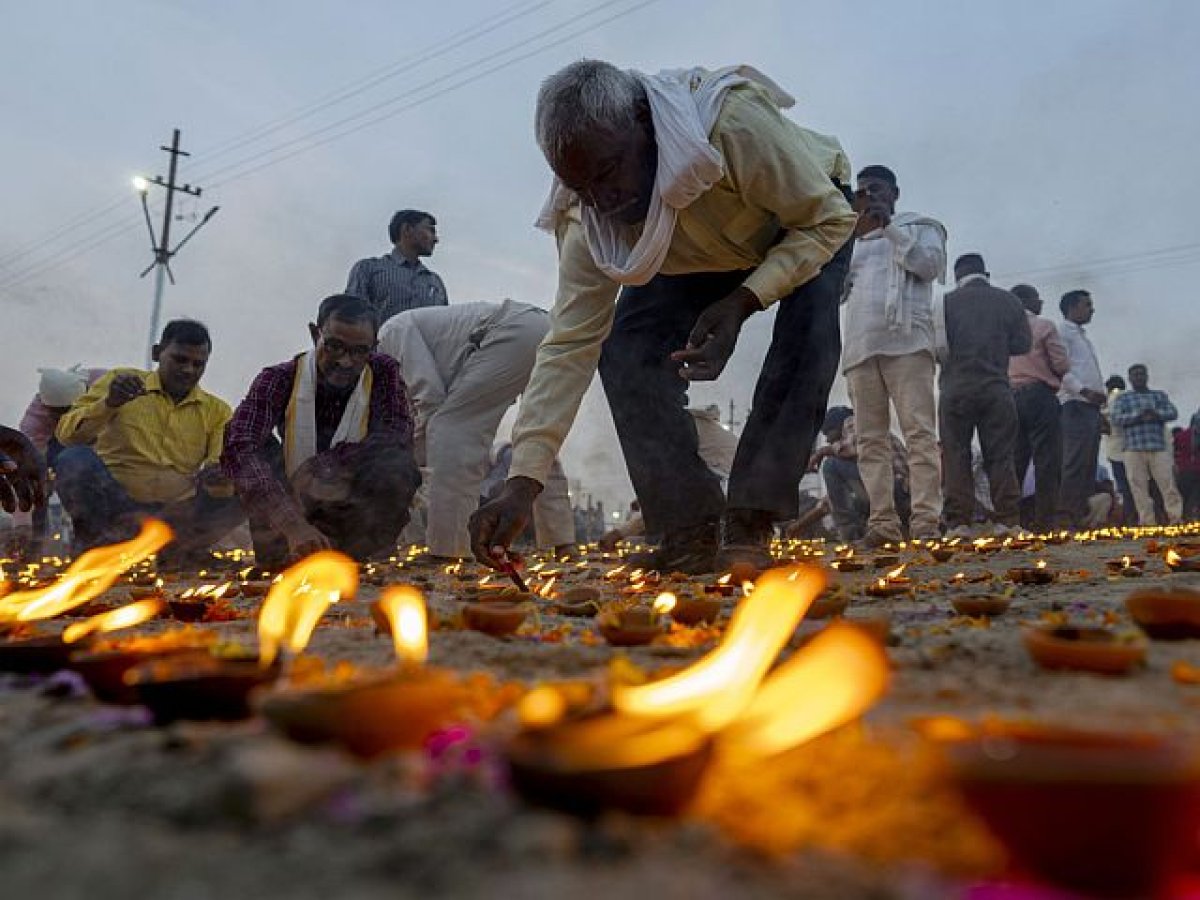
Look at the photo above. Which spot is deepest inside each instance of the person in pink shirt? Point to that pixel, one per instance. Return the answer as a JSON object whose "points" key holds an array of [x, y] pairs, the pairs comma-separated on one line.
{"points": [[57, 390], [1035, 378]]}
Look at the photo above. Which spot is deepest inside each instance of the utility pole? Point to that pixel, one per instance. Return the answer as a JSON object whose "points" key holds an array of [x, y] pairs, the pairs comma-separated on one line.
{"points": [[161, 246]]}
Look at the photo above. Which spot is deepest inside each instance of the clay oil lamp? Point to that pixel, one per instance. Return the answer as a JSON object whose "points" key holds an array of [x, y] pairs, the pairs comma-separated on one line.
{"points": [[1167, 614], [829, 603], [147, 591], [498, 618], [105, 664], [1179, 562], [691, 610], [624, 624], [885, 560], [650, 751], [986, 545], [219, 687], [254, 582], [723, 586], [582, 601], [848, 563], [894, 584], [942, 552], [195, 604], [1127, 566], [1035, 574], [980, 605], [1102, 814], [1084, 648], [89, 576], [377, 712]]}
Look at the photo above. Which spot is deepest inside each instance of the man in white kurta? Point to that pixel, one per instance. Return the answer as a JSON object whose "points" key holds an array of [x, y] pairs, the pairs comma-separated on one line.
{"points": [[463, 366]]}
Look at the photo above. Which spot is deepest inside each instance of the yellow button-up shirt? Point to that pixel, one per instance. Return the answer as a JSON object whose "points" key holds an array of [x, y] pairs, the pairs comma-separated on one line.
{"points": [[152, 445], [776, 211]]}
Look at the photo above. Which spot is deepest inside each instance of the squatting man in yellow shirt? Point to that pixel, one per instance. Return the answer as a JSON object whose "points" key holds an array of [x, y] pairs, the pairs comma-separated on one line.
{"points": [[147, 443], [684, 203]]}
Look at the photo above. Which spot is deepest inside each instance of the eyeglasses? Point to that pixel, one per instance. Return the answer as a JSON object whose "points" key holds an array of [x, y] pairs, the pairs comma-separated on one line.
{"points": [[334, 347]]}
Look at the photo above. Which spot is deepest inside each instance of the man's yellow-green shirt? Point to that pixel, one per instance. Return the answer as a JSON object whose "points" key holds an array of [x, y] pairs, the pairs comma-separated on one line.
{"points": [[776, 212], [152, 445]]}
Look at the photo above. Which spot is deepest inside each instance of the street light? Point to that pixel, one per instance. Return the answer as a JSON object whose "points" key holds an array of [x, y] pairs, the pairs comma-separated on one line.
{"points": [[140, 184]]}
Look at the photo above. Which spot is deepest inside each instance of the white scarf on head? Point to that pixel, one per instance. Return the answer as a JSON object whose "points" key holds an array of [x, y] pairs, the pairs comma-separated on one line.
{"points": [[684, 105], [300, 428]]}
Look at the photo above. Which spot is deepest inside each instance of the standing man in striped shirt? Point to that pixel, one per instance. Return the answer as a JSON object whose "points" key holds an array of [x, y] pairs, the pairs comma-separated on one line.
{"points": [[399, 280]]}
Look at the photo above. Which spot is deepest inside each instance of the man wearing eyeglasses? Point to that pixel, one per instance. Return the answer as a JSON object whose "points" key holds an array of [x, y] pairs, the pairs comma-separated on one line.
{"points": [[320, 451]]}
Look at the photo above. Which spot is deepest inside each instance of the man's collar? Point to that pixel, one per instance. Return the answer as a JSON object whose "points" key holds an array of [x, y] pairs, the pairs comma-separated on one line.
{"points": [[154, 385], [967, 279], [403, 260]]}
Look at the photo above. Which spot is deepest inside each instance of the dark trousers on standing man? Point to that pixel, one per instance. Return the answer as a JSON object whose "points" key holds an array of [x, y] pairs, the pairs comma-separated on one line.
{"points": [[1039, 437], [1081, 449], [988, 409], [648, 398]]}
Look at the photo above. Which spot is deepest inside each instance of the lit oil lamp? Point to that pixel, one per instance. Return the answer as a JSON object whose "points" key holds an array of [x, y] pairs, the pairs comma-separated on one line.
{"points": [[1107, 814], [1167, 614], [218, 687], [1126, 566], [1035, 574], [847, 562], [629, 625], [380, 712], [885, 560], [89, 576], [893, 584], [723, 586], [1084, 648], [649, 753], [1178, 562], [829, 603], [194, 604], [151, 590], [942, 552], [498, 618]]}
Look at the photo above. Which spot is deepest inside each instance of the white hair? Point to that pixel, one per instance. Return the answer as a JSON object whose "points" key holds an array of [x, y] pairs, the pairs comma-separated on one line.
{"points": [[579, 100]]}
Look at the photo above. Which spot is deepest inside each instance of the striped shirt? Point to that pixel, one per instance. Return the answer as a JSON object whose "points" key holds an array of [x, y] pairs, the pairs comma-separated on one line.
{"points": [[152, 445], [1139, 434], [392, 284]]}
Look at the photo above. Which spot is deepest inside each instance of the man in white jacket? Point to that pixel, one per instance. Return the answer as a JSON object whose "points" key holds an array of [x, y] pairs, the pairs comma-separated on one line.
{"points": [[888, 352], [463, 366]]}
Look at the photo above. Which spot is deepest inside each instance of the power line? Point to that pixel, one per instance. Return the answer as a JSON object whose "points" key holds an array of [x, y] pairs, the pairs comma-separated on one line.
{"points": [[215, 175], [456, 40], [116, 230]]}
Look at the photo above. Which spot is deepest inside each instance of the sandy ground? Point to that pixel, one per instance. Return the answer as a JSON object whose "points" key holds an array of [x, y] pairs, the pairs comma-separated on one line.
{"points": [[96, 802]]}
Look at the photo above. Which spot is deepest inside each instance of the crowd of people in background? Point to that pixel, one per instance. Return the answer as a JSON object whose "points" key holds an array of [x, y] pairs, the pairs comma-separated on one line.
{"points": [[682, 204]]}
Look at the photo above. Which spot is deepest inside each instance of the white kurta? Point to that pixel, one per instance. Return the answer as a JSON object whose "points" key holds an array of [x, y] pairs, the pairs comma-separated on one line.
{"points": [[463, 366]]}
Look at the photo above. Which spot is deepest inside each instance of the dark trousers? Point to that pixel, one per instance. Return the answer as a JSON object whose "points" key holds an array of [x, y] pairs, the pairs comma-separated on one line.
{"points": [[988, 409], [360, 504], [1189, 488], [1129, 515], [648, 398], [848, 501], [103, 512], [1081, 449], [1039, 436]]}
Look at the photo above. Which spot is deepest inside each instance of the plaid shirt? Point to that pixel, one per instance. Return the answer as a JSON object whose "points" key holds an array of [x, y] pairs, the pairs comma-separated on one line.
{"points": [[1139, 435], [247, 461], [392, 284]]}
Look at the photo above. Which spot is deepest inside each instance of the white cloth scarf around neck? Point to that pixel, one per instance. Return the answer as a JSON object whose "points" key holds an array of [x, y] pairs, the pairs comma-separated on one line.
{"points": [[300, 430], [684, 105]]}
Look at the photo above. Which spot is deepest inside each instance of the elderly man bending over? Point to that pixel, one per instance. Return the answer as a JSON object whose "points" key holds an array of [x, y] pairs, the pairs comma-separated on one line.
{"points": [[690, 195], [464, 365], [340, 473]]}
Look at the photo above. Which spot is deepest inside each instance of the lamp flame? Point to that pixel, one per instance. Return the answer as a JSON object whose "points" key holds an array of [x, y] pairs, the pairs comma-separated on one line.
{"points": [[1172, 558], [404, 608], [542, 707], [664, 603], [718, 687], [298, 599], [114, 620], [832, 680], [89, 576], [897, 572]]}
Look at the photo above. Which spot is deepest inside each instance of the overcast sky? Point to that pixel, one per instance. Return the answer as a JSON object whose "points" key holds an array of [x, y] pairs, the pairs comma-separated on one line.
{"points": [[1057, 138]]}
